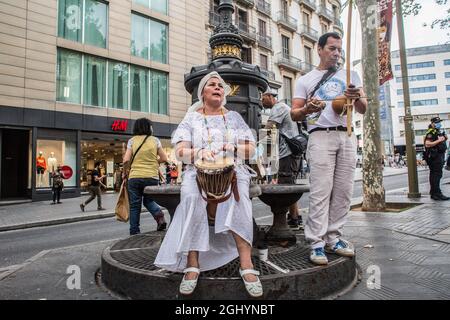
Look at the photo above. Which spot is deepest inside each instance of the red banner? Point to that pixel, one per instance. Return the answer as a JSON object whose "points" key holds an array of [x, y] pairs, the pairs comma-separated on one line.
{"points": [[384, 41]]}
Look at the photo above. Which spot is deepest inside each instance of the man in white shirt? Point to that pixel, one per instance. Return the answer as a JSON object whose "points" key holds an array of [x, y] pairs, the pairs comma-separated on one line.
{"points": [[331, 152]]}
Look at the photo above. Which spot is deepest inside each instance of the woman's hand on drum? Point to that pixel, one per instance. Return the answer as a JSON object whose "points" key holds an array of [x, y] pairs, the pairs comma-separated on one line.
{"points": [[207, 155], [229, 148]]}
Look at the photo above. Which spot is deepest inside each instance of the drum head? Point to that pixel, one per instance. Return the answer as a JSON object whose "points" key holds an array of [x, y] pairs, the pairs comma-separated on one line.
{"points": [[219, 163]]}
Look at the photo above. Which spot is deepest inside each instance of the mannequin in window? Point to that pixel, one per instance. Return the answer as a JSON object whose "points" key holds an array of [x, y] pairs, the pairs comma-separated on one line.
{"points": [[51, 165], [41, 166], [52, 162]]}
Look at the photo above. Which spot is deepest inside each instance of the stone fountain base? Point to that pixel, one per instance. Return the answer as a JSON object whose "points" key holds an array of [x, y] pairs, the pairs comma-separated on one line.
{"points": [[127, 269]]}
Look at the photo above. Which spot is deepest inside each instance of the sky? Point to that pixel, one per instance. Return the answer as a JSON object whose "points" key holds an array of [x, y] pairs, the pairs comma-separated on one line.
{"points": [[416, 34]]}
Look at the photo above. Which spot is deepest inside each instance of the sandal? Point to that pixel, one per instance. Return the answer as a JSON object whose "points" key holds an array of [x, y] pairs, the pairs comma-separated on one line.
{"points": [[187, 287], [254, 288]]}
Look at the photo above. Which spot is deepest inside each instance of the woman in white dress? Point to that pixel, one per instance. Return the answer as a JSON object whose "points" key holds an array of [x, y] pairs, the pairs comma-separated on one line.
{"points": [[190, 244]]}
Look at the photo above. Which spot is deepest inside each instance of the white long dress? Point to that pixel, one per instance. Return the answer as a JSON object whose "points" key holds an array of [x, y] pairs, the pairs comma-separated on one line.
{"points": [[189, 230]]}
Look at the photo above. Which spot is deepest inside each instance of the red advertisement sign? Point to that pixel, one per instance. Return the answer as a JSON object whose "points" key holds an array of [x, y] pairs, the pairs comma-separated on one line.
{"points": [[119, 125], [66, 172], [384, 41]]}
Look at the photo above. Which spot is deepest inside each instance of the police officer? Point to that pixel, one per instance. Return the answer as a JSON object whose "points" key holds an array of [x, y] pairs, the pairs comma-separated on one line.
{"points": [[435, 147]]}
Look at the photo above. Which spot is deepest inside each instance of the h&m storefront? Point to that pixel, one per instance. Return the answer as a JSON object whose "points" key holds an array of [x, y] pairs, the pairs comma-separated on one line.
{"points": [[33, 143]]}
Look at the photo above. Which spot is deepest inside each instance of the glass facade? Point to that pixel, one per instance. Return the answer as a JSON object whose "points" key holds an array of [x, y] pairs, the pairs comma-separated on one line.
{"points": [[110, 83], [158, 41], [118, 85], [139, 36], [70, 14], [94, 81], [148, 38], [83, 21], [95, 23], [68, 76], [158, 92], [139, 89], [157, 5]]}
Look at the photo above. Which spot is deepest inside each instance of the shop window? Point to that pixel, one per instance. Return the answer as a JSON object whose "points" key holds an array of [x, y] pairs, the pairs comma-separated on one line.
{"points": [[94, 81], [118, 85], [158, 92], [68, 76], [83, 21], [49, 155], [139, 89]]}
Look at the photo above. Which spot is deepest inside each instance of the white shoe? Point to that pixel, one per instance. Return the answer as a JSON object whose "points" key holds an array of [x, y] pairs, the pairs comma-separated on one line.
{"points": [[188, 286], [254, 288]]}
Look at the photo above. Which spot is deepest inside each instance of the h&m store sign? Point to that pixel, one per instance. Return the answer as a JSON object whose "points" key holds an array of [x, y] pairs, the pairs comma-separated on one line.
{"points": [[119, 125]]}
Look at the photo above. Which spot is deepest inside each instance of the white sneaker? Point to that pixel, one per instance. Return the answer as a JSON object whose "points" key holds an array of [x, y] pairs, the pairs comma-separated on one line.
{"points": [[187, 287]]}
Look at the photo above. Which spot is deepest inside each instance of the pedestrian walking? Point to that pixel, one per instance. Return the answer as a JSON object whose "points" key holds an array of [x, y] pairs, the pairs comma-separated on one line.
{"points": [[94, 188]]}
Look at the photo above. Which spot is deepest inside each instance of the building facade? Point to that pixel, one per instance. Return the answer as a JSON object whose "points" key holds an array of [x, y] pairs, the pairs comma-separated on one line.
{"points": [[429, 84], [280, 36], [74, 76]]}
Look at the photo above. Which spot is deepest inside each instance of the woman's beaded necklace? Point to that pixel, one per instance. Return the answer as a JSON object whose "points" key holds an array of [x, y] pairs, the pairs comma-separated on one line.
{"points": [[210, 140]]}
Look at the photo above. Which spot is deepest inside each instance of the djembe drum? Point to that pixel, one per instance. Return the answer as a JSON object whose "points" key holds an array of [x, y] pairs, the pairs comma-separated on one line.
{"points": [[214, 180]]}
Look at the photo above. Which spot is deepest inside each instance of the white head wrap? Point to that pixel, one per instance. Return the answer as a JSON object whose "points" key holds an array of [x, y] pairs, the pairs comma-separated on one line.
{"points": [[202, 84]]}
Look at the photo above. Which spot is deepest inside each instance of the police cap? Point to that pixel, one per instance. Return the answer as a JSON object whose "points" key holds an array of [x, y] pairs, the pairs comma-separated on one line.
{"points": [[435, 120]]}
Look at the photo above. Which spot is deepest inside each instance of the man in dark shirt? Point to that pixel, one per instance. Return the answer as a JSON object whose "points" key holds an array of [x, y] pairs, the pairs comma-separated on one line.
{"points": [[94, 188], [435, 147]]}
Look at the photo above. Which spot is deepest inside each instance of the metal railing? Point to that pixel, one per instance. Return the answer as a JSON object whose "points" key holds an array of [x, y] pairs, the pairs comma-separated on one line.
{"points": [[270, 75], [289, 61], [247, 31], [309, 3], [337, 22], [310, 32], [326, 13], [265, 41], [263, 7], [286, 20], [214, 18], [247, 3]]}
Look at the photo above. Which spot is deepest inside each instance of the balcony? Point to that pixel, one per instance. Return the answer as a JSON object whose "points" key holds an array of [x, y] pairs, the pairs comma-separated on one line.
{"points": [[307, 67], [309, 33], [289, 62], [270, 75], [286, 21], [247, 32], [293, 64], [246, 3], [310, 4], [265, 41], [326, 13], [338, 24], [214, 18], [263, 7]]}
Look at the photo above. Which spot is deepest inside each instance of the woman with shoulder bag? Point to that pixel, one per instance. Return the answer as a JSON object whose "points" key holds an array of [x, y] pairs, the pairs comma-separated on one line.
{"points": [[142, 158]]}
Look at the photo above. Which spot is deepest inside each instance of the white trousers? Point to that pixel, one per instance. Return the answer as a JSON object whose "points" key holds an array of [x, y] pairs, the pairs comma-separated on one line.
{"points": [[332, 161]]}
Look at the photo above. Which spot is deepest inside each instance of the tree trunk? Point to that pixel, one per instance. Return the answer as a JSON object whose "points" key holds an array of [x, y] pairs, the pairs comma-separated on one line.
{"points": [[372, 171]]}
